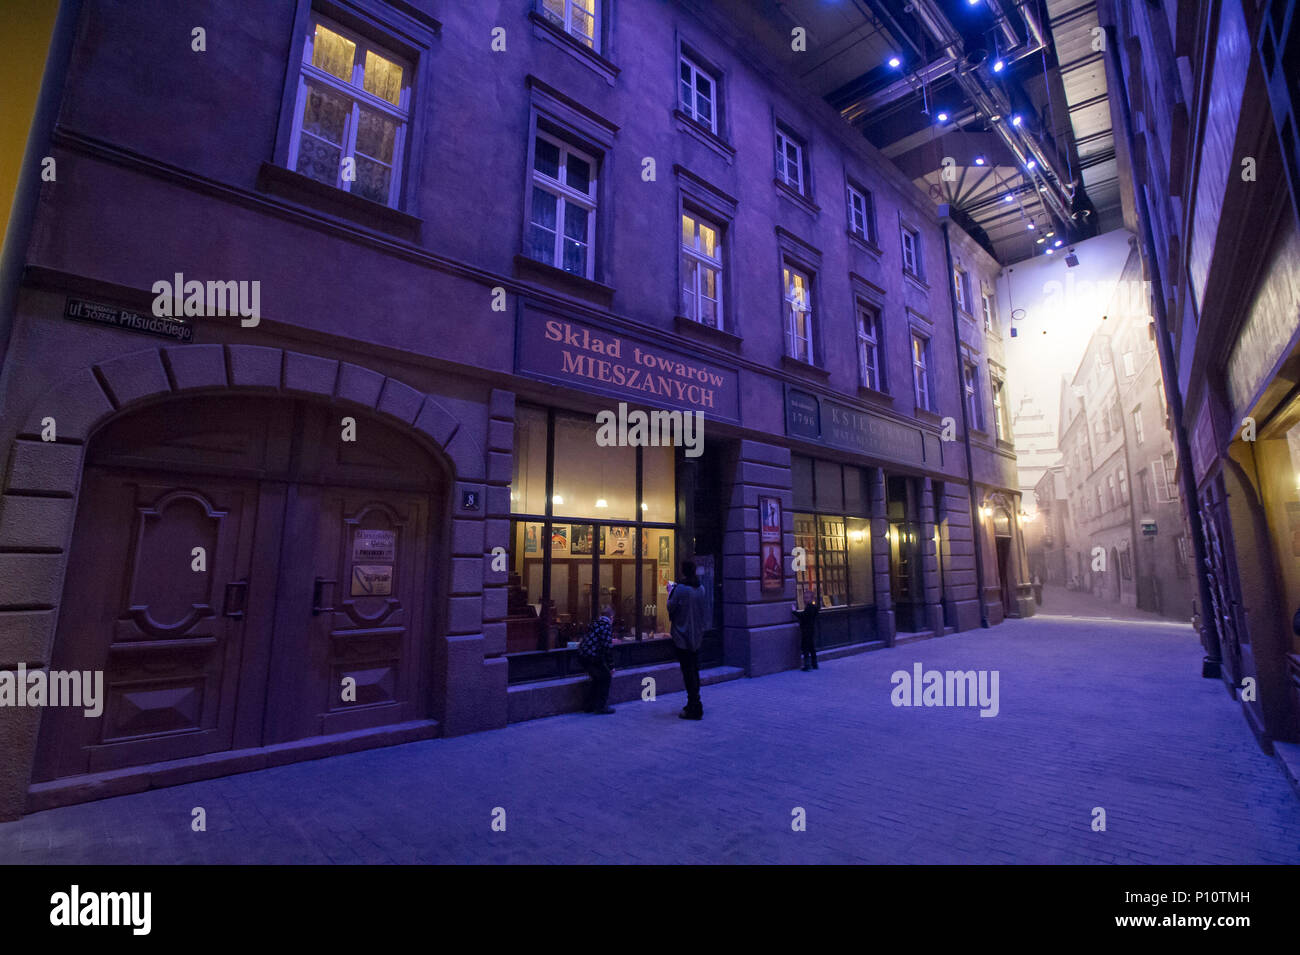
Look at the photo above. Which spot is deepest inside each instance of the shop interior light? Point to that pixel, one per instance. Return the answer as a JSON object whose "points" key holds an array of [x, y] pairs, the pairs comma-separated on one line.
{"points": [[645, 506], [557, 499], [601, 502]]}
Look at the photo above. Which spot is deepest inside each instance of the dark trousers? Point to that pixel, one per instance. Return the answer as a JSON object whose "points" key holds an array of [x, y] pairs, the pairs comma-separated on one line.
{"points": [[598, 688], [690, 661], [808, 639]]}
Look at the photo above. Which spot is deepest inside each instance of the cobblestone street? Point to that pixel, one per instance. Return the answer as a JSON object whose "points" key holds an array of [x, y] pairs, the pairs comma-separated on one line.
{"points": [[1092, 714]]}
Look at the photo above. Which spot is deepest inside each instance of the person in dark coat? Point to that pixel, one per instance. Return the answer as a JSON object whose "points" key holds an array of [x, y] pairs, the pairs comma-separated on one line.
{"points": [[807, 618], [596, 654], [688, 611]]}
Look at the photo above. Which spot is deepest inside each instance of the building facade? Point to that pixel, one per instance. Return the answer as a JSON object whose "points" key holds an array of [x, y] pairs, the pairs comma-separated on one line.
{"points": [[304, 412], [1207, 95]]}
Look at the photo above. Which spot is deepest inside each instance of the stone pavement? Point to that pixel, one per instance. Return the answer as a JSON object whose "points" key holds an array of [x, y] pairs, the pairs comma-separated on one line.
{"points": [[1061, 601], [1091, 714]]}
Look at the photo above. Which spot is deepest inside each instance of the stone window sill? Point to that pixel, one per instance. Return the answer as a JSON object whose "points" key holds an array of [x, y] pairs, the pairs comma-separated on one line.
{"points": [[704, 135], [308, 193], [544, 28], [871, 394], [686, 326], [866, 245], [916, 280], [562, 281], [813, 371], [788, 192]]}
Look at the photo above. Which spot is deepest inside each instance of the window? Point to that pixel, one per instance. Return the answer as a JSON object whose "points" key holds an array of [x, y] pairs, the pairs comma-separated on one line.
{"points": [[798, 313], [1112, 498], [1122, 476], [869, 347], [578, 18], [961, 283], [999, 409], [831, 524], [350, 119], [973, 409], [1166, 471], [921, 371], [1186, 557], [862, 215], [1129, 369], [701, 271], [1126, 564], [699, 94], [789, 160], [1137, 426], [911, 252], [562, 214], [1144, 491], [987, 302], [1101, 509]]}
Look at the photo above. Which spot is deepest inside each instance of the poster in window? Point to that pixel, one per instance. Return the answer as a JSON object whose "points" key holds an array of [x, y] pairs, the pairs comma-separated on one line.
{"points": [[559, 538], [769, 515], [531, 532], [581, 542], [665, 550], [617, 541], [771, 572]]}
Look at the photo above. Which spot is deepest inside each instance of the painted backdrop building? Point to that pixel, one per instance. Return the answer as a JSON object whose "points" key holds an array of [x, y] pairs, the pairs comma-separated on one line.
{"points": [[373, 508]]}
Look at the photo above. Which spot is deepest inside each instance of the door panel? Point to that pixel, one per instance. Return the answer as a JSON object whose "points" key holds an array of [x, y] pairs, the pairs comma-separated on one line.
{"points": [[353, 583], [167, 637]]}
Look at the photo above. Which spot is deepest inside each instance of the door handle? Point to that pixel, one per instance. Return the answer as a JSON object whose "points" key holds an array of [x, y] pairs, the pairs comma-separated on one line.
{"points": [[317, 593], [236, 589]]}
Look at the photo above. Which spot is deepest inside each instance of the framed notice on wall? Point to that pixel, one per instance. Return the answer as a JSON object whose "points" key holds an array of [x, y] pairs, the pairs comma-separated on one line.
{"points": [[771, 569], [769, 520]]}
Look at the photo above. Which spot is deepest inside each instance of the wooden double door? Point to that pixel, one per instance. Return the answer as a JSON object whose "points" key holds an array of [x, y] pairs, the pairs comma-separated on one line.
{"points": [[243, 576]]}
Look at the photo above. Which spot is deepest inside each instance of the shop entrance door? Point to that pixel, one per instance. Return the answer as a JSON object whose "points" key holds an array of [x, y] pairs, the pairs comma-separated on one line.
{"points": [[285, 598]]}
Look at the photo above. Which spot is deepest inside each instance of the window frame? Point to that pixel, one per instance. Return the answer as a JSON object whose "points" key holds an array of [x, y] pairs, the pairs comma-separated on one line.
{"points": [[1139, 434], [702, 261], [686, 58], [922, 383], [788, 136], [596, 14], [790, 268], [986, 306], [970, 386], [868, 233], [917, 269], [358, 96], [875, 342], [565, 195], [961, 283], [1000, 424]]}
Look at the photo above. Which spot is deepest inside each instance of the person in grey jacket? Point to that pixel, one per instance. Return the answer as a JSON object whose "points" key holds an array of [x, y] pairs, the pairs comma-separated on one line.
{"points": [[688, 610]]}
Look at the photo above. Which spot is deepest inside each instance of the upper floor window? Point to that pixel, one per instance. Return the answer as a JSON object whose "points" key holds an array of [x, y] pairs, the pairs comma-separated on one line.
{"points": [[921, 371], [798, 313], [1122, 476], [869, 347], [999, 409], [1164, 470], [1130, 369], [987, 302], [862, 217], [578, 18], [562, 206], [701, 271], [973, 409], [351, 115], [961, 284], [699, 94], [1137, 426], [790, 160], [911, 251]]}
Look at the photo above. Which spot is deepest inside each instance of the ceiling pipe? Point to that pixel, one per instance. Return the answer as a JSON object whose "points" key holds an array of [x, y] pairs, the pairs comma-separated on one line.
{"points": [[1004, 24]]}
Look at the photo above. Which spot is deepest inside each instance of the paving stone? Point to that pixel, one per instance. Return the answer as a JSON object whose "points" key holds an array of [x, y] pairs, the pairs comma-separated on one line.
{"points": [[1111, 714]]}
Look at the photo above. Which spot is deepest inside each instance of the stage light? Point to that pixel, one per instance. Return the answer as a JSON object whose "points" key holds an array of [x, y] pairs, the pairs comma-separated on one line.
{"points": [[942, 117], [979, 160], [998, 65], [895, 62], [1015, 120]]}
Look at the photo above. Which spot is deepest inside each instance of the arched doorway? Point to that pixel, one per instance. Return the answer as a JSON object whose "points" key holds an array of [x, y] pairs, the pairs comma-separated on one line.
{"points": [[245, 571]]}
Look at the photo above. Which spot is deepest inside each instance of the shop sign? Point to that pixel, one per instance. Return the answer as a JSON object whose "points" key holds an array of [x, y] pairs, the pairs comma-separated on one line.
{"points": [[566, 352], [114, 317], [370, 545], [839, 426]]}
